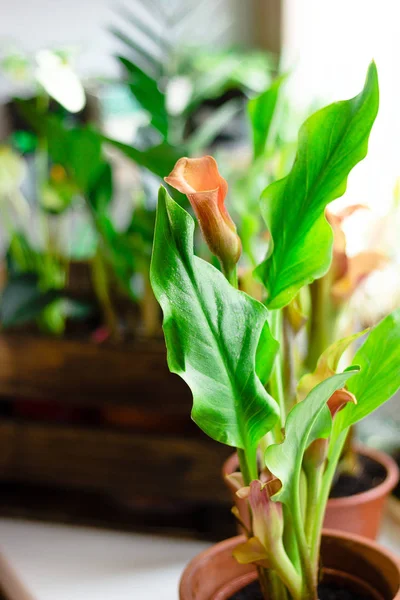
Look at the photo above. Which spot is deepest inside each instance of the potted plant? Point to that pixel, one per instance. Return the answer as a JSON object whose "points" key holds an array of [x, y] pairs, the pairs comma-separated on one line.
{"points": [[227, 346], [323, 312]]}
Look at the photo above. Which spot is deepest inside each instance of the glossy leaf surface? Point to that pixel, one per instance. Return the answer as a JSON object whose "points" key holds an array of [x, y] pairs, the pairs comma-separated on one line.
{"points": [[379, 380], [261, 110], [284, 460], [212, 332], [331, 143]]}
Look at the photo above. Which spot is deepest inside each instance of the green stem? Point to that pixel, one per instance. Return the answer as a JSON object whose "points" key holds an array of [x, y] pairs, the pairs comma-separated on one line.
{"points": [[276, 382], [270, 584], [289, 368], [231, 275], [314, 482], [310, 576], [102, 290], [281, 563], [336, 447], [322, 320], [244, 467], [289, 538]]}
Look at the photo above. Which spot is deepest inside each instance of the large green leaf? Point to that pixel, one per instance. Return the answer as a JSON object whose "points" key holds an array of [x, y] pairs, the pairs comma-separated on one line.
{"points": [[284, 460], [261, 110], [147, 93], [379, 359], [331, 143], [212, 332]]}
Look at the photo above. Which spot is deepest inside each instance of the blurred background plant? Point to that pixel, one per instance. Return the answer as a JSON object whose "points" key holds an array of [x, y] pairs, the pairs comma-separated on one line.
{"points": [[80, 180], [185, 100]]}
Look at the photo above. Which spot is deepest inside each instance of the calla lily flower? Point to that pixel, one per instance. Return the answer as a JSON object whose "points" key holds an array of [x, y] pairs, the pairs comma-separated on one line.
{"points": [[267, 524], [265, 546], [349, 272], [327, 365], [200, 180]]}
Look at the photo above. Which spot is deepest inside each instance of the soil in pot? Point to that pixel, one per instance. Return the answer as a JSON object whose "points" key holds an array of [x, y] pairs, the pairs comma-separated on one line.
{"points": [[371, 474], [329, 591]]}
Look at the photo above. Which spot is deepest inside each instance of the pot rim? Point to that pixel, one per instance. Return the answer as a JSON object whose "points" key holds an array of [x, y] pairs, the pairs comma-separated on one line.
{"points": [[327, 533], [382, 489]]}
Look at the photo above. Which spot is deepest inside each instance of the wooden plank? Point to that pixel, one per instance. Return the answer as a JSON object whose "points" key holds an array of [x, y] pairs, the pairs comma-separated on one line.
{"points": [[90, 374], [129, 466]]}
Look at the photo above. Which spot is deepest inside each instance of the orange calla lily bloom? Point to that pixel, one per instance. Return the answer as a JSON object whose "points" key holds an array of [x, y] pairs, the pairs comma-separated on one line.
{"points": [[200, 180], [348, 272]]}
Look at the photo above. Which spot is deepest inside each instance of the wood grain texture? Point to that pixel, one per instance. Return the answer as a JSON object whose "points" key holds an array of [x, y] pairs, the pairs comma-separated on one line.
{"points": [[122, 464], [81, 372]]}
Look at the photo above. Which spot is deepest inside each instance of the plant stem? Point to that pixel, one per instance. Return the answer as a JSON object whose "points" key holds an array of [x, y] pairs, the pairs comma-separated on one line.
{"points": [[276, 382], [289, 538], [244, 467], [270, 584], [314, 482], [289, 368], [310, 576], [336, 447], [281, 563], [322, 320], [231, 275], [102, 289]]}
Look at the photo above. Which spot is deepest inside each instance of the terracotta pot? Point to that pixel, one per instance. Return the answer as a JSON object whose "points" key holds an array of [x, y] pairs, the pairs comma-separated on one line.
{"points": [[360, 514], [361, 565]]}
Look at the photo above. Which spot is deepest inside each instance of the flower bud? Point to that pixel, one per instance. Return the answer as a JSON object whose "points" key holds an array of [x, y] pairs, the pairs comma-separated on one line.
{"points": [[339, 399], [267, 523], [206, 190]]}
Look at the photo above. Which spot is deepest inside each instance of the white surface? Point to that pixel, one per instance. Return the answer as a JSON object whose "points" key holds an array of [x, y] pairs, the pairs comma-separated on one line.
{"points": [[57, 562], [327, 47], [30, 26]]}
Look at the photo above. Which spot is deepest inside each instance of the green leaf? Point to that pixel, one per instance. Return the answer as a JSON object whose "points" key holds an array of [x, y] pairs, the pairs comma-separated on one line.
{"points": [[77, 149], [331, 143], [212, 332], [327, 364], [22, 300], [261, 110], [148, 94], [160, 159], [379, 359], [267, 351], [284, 460]]}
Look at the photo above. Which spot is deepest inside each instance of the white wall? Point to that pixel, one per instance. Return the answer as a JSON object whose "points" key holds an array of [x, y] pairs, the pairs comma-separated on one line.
{"points": [[34, 24], [330, 43]]}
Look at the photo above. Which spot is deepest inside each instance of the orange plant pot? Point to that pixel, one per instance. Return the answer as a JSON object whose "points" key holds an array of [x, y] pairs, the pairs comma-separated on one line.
{"points": [[358, 564]]}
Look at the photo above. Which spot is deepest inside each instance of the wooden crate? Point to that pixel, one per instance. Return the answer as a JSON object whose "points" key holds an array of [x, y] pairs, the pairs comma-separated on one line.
{"points": [[145, 462]]}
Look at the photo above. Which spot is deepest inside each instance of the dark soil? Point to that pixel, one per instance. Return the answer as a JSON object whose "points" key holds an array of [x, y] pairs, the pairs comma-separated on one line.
{"points": [[348, 484], [325, 592]]}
